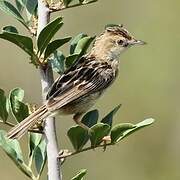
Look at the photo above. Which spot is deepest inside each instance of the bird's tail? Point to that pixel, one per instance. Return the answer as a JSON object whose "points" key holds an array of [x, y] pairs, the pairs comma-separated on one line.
{"points": [[20, 129]]}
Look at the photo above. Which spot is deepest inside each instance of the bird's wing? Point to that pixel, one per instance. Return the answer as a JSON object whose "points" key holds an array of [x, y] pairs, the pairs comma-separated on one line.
{"points": [[81, 80]]}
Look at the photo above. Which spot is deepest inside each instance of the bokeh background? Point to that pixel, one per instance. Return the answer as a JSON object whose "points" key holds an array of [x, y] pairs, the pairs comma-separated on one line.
{"points": [[148, 86]]}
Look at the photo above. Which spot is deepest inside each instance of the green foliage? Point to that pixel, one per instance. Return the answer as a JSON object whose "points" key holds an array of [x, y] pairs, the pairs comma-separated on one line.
{"points": [[80, 44], [20, 4], [90, 118], [10, 34], [118, 131], [13, 150], [8, 8], [67, 2], [47, 33], [23, 42], [139, 126], [40, 156], [34, 140], [37, 143], [30, 6], [70, 60], [83, 45], [81, 1], [75, 41], [121, 131], [54, 45], [78, 48], [98, 131], [108, 119], [4, 106], [18, 108], [10, 29], [80, 175], [78, 137], [58, 62]]}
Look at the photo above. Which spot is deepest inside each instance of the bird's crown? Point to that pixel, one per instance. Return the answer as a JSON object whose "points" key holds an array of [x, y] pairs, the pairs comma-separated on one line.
{"points": [[118, 30]]}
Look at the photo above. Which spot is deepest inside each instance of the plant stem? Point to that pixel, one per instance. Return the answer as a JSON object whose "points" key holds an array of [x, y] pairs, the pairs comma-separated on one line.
{"points": [[60, 6], [54, 172], [83, 150]]}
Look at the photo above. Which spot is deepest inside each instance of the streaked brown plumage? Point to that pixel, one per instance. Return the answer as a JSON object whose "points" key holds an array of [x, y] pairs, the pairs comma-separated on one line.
{"points": [[79, 87]]}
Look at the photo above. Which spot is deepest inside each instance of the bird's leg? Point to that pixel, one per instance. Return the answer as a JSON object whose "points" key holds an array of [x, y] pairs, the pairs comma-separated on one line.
{"points": [[105, 141], [77, 119]]}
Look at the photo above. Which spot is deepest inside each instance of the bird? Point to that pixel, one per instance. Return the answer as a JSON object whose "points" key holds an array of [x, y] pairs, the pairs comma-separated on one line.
{"points": [[80, 86]]}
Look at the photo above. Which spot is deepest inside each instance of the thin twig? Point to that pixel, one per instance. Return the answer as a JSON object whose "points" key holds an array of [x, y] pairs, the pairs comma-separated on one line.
{"points": [[82, 150], [60, 7]]}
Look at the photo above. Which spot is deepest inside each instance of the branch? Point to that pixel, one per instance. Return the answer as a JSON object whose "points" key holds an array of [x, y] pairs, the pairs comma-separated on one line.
{"points": [[66, 154], [54, 7], [46, 74]]}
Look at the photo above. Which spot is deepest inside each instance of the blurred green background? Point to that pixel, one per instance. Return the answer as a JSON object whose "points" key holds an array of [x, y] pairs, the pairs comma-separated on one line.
{"points": [[148, 86]]}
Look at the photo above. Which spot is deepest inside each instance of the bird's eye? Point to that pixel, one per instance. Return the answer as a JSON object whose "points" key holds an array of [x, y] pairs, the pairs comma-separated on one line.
{"points": [[120, 42]]}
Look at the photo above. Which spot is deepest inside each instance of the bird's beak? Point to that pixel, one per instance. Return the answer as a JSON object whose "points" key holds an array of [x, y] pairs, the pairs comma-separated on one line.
{"points": [[136, 42]]}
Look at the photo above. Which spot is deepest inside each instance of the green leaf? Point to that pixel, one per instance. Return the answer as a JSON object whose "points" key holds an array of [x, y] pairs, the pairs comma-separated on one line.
{"points": [[71, 59], [8, 8], [37, 150], [78, 137], [31, 6], [81, 1], [118, 131], [80, 175], [98, 131], [40, 157], [57, 62], [123, 130], [90, 118], [34, 140], [83, 45], [13, 150], [75, 41], [4, 106], [20, 4], [19, 109], [108, 119], [47, 33], [11, 147], [142, 124], [10, 29], [23, 42], [55, 45], [67, 2]]}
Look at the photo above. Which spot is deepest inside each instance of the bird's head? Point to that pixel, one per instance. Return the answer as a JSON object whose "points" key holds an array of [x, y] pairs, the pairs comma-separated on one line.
{"points": [[112, 42]]}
